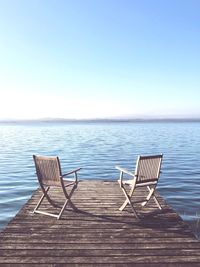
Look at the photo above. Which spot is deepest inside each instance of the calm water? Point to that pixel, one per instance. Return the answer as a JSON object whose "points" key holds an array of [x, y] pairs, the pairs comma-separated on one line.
{"points": [[98, 147]]}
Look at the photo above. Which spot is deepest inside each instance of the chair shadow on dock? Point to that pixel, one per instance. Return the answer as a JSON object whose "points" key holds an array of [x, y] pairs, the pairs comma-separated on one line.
{"points": [[153, 220]]}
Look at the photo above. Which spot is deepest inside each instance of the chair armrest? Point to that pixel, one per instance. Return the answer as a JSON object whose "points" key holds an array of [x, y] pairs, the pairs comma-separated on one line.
{"points": [[122, 171], [70, 172], [125, 171], [75, 174]]}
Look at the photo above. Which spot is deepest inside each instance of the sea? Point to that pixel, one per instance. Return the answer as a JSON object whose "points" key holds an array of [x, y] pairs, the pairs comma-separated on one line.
{"points": [[98, 147]]}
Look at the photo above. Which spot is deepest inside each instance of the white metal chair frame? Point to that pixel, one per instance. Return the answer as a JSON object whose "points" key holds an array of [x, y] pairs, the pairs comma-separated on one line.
{"points": [[48, 170], [146, 173]]}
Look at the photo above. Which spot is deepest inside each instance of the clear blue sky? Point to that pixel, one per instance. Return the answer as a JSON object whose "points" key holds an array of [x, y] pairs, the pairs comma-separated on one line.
{"points": [[99, 58]]}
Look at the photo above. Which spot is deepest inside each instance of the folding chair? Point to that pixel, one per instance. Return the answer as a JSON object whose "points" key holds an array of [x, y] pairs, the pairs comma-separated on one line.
{"points": [[146, 174], [48, 170]]}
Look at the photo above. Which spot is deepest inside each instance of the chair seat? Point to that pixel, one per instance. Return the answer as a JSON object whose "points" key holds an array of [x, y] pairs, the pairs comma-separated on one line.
{"points": [[127, 182], [146, 183], [67, 182]]}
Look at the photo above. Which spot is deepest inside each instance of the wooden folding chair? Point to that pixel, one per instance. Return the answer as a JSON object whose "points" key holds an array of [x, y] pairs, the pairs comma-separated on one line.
{"points": [[146, 174], [49, 175]]}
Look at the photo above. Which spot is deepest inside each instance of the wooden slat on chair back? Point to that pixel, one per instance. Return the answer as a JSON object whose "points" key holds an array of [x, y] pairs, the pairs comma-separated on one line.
{"points": [[148, 168], [48, 170]]}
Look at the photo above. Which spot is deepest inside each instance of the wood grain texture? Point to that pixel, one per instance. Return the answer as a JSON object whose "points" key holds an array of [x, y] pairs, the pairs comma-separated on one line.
{"points": [[98, 234]]}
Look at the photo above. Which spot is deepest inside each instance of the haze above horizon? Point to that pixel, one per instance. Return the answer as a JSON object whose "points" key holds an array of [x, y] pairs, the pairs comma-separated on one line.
{"points": [[99, 59]]}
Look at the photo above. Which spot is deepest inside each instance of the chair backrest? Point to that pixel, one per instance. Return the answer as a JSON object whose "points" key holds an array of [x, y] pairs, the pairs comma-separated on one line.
{"points": [[148, 168], [48, 170]]}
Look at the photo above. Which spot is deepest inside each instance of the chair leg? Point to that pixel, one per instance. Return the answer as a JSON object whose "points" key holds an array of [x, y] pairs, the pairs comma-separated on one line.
{"points": [[41, 199], [68, 196], [151, 191], [128, 201], [157, 202], [45, 191], [63, 208], [67, 201], [151, 194], [133, 209], [123, 206]]}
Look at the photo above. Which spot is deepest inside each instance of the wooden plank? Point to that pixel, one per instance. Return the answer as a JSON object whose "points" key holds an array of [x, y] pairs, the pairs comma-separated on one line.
{"points": [[98, 233]]}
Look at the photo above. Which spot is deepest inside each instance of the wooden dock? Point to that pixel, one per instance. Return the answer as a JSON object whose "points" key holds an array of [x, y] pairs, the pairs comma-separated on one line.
{"points": [[98, 234]]}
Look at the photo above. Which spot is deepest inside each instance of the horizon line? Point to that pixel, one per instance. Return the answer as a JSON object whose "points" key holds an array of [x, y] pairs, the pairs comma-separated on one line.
{"points": [[102, 119]]}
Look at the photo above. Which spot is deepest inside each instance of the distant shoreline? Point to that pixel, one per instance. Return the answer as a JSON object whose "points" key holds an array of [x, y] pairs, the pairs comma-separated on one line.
{"points": [[101, 120]]}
